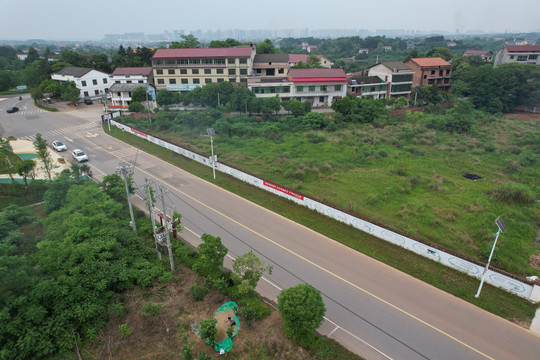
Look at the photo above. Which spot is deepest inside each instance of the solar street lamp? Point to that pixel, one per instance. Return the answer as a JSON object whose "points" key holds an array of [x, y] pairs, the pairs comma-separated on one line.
{"points": [[210, 132], [502, 228]]}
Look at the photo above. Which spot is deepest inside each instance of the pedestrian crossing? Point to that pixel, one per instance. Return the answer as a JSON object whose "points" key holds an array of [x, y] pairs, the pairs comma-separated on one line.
{"points": [[77, 129]]}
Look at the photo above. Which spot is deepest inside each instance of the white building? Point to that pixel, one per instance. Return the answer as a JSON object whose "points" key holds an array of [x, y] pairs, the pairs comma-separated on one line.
{"points": [[133, 75], [521, 54], [398, 75], [121, 94], [91, 83]]}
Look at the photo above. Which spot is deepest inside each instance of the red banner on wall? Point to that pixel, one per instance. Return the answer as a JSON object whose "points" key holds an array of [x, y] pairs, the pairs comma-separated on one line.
{"points": [[139, 132], [283, 190]]}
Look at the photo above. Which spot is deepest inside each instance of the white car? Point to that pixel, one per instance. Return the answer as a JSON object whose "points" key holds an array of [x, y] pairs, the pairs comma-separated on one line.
{"points": [[79, 155], [59, 146]]}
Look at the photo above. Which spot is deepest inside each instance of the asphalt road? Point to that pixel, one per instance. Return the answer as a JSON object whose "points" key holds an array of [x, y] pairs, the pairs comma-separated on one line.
{"points": [[372, 308]]}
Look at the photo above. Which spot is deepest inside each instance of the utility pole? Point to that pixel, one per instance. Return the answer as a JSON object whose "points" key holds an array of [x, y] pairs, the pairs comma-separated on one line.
{"points": [[147, 107], [123, 171], [502, 229], [167, 236], [151, 211]]}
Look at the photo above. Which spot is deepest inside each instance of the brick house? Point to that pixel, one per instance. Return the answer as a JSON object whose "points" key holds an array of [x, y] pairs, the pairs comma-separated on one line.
{"points": [[429, 71]]}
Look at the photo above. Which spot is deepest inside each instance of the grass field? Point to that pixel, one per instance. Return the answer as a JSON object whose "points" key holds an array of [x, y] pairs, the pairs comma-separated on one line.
{"points": [[493, 299], [409, 178]]}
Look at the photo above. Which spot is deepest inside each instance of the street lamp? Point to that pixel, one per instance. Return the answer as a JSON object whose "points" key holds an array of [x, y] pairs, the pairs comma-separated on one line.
{"points": [[502, 228], [213, 159], [147, 107]]}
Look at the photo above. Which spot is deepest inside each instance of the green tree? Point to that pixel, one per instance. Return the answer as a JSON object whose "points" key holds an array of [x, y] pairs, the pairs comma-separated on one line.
{"points": [[26, 169], [295, 107], [208, 330], [165, 97], [42, 149], [266, 47], [187, 42], [70, 92], [247, 271], [136, 107], [139, 94], [113, 185], [224, 43], [441, 52], [302, 310], [211, 254]]}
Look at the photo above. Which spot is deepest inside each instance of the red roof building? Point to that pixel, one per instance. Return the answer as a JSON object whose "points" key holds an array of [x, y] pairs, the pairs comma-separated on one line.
{"points": [[307, 76], [522, 54], [486, 55], [430, 71]]}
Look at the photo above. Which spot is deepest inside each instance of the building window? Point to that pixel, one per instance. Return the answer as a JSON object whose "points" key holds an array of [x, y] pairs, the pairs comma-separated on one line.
{"points": [[196, 81], [258, 71], [511, 57], [323, 87], [281, 71], [243, 71], [195, 71], [219, 61], [533, 57], [432, 72], [94, 82], [321, 99], [447, 71], [171, 71], [182, 62], [219, 71], [232, 71], [425, 76], [184, 81], [207, 71], [160, 81], [141, 82], [207, 81], [243, 61], [194, 61], [337, 88], [86, 93], [96, 92], [232, 80], [172, 81], [522, 58], [311, 88], [104, 80], [117, 81], [207, 61], [299, 89], [220, 80], [183, 71], [83, 83], [231, 61], [128, 82], [159, 72]]}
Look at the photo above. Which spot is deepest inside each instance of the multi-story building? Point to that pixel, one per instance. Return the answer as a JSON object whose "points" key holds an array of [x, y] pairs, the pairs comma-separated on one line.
{"points": [[271, 65], [363, 86], [318, 86], [120, 94], [91, 83], [429, 71], [486, 55], [186, 69], [397, 75], [133, 75], [521, 54]]}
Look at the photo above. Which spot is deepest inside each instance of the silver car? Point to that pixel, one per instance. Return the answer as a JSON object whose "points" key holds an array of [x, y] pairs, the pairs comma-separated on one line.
{"points": [[79, 155], [59, 146]]}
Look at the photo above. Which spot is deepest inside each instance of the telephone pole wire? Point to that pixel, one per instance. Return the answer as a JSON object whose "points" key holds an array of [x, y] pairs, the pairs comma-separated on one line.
{"points": [[124, 171]]}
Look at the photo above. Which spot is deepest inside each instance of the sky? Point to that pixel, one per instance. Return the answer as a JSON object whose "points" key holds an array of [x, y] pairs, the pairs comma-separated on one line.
{"points": [[90, 20]]}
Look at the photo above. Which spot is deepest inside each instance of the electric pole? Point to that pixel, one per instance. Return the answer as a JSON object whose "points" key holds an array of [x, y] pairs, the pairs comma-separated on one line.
{"points": [[150, 204], [123, 172], [167, 236]]}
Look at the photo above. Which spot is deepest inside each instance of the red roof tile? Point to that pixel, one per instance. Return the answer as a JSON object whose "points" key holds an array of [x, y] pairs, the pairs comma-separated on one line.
{"points": [[236, 52], [317, 75], [523, 48], [132, 71], [427, 62]]}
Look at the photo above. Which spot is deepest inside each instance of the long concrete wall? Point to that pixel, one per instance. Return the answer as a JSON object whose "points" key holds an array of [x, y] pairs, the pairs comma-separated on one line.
{"points": [[520, 288]]}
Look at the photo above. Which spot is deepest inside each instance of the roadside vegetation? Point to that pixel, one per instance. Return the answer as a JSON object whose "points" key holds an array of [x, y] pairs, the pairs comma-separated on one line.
{"points": [[117, 299]]}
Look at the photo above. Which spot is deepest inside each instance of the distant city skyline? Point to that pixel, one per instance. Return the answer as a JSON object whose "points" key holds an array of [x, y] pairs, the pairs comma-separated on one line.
{"points": [[69, 20]]}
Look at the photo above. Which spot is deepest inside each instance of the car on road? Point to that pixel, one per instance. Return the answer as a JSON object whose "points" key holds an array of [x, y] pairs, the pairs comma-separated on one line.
{"points": [[59, 146], [88, 101], [79, 155], [12, 110]]}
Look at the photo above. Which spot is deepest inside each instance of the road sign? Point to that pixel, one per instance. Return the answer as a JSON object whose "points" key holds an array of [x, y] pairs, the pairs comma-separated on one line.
{"points": [[500, 224]]}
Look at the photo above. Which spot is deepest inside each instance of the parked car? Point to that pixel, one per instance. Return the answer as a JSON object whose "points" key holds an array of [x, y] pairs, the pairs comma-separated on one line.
{"points": [[12, 110], [79, 155], [59, 146], [88, 101]]}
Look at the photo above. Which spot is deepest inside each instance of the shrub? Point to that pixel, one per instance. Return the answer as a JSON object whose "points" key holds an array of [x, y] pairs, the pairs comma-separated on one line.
{"points": [[208, 330], [315, 138], [204, 356], [166, 277], [513, 193], [124, 331], [187, 351], [198, 292], [151, 309], [136, 106], [527, 158]]}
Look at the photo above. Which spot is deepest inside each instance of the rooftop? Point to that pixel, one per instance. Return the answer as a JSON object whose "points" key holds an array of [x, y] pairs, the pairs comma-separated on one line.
{"points": [[296, 58], [232, 52], [523, 48], [317, 75], [428, 62], [267, 58], [74, 71], [132, 71], [126, 87], [395, 65], [365, 80], [477, 52]]}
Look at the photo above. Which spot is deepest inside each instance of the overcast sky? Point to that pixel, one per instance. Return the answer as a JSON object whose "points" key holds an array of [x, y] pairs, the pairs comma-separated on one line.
{"points": [[90, 20]]}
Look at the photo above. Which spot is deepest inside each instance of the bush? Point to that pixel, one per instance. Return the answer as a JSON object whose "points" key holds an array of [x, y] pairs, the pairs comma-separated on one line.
{"points": [[151, 309], [513, 193], [198, 292], [136, 106], [527, 158], [208, 330], [204, 356], [315, 138]]}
